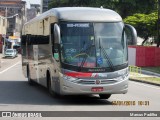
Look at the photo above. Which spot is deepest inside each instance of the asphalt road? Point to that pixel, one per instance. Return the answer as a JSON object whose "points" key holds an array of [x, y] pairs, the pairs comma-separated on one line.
{"points": [[17, 95]]}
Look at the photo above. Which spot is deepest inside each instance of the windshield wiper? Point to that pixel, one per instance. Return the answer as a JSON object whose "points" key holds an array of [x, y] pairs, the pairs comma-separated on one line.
{"points": [[86, 56], [106, 56]]}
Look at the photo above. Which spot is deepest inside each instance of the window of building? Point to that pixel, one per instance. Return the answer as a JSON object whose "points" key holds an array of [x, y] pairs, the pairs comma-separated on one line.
{"points": [[11, 26], [3, 22]]}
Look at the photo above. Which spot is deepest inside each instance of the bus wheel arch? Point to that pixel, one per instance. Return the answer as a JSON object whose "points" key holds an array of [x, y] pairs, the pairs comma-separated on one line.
{"points": [[49, 83], [30, 81]]}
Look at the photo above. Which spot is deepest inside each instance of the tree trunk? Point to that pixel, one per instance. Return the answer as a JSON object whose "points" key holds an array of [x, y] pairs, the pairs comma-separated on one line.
{"points": [[158, 43], [145, 39]]}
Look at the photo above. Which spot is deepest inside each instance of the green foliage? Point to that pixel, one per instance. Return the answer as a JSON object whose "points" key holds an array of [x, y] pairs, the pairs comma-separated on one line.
{"points": [[123, 7], [142, 13], [146, 25]]}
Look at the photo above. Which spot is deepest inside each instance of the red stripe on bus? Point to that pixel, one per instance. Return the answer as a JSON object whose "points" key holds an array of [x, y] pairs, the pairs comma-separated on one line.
{"points": [[78, 74]]}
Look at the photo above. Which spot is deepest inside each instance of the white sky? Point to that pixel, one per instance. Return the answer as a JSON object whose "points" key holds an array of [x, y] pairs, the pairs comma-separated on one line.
{"points": [[32, 2]]}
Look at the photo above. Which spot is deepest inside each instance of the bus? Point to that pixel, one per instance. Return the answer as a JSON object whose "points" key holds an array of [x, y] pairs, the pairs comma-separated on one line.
{"points": [[77, 51]]}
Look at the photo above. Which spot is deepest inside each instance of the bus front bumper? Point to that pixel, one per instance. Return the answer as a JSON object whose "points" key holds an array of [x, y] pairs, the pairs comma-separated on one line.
{"points": [[71, 88]]}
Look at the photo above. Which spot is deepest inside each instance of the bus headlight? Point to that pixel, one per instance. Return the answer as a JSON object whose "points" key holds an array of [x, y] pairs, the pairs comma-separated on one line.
{"points": [[123, 72], [69, 78], [119, 78], [122, 77]]}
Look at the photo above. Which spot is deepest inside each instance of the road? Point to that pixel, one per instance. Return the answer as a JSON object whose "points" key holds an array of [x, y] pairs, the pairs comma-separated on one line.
{"points": [[17, 95]]}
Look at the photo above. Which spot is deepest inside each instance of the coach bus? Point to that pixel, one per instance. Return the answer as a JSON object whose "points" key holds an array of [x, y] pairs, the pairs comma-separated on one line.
{"points": [[77, 50]]}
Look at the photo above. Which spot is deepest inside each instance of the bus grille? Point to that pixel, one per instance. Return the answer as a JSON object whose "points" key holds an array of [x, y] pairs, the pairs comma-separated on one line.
{"points": [[93, 82]]}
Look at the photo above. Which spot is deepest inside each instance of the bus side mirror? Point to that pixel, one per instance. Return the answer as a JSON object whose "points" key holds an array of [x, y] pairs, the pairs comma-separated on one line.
{"points": [[56, 33], [131, 34]]}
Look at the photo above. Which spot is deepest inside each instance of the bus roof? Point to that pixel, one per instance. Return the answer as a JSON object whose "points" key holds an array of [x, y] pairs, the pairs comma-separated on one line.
{"points": [[81, 14]]}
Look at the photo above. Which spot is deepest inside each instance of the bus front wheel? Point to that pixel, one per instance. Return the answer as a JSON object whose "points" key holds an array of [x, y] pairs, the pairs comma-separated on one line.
{"points": [[104, 96]]}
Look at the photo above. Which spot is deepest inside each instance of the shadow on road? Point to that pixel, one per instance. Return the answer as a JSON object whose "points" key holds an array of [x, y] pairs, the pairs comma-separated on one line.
{"points": [[19, 92]]}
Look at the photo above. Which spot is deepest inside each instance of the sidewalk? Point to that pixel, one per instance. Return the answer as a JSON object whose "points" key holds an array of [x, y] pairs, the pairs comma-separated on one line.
{"points": [[150, 73], [1, 56], [146, 77], [0, 60]]}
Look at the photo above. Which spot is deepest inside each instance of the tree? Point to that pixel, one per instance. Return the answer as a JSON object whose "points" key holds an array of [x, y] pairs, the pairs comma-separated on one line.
{"points": [[123, 7], [130, 7], [146, 25]]}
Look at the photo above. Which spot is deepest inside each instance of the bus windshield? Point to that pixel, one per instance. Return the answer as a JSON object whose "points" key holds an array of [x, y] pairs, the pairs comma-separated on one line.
{"points": [[93, 45]]}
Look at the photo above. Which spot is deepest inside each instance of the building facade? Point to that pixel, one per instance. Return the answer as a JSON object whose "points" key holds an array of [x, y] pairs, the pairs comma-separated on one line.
{"points": [[15, 12], [3, 26], [44, 5], [33, 11]]}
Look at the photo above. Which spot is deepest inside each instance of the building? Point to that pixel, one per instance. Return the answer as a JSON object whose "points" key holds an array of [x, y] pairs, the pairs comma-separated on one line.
{"points": [[37, 6], [33, 11], [44, 5], [3, 26], [15, 12]]}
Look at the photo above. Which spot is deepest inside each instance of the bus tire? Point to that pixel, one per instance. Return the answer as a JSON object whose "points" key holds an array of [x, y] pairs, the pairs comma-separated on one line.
{"points": [[30, 81], [104, 96]]}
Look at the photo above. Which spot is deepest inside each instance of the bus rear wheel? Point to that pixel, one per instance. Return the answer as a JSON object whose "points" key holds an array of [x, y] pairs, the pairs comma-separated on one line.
{"points": [[104, 96]]}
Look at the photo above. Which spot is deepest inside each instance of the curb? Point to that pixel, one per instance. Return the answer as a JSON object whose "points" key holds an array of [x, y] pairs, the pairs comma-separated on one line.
{"points": [[150, 73], [141, 81]]}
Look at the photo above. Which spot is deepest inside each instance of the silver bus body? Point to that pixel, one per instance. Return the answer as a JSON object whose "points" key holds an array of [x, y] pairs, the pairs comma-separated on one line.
{"points": [[40, 63]]}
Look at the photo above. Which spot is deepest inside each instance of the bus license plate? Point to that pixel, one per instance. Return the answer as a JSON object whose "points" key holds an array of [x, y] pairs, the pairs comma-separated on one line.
{"points": [[97, 89]]}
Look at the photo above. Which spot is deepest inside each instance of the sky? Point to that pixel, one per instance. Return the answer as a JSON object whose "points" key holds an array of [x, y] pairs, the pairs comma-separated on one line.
{"points": [[32, 2]]}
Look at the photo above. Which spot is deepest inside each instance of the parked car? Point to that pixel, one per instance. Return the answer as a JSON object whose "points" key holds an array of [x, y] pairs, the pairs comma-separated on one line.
{"points": [[17, 47], [10, 53]]}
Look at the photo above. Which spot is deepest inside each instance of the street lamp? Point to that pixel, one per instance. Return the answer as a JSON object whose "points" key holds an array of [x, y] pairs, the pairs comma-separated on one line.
{"points": [[12, 16], [9, 16]]}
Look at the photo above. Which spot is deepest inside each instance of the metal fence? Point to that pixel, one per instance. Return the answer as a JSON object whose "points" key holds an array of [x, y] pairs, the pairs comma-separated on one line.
{"points": [[134, 69]]}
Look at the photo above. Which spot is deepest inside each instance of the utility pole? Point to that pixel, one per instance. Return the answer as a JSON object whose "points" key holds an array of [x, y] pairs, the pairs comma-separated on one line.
{"points": [[6, 15], [4, 39], [158, 25]]}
